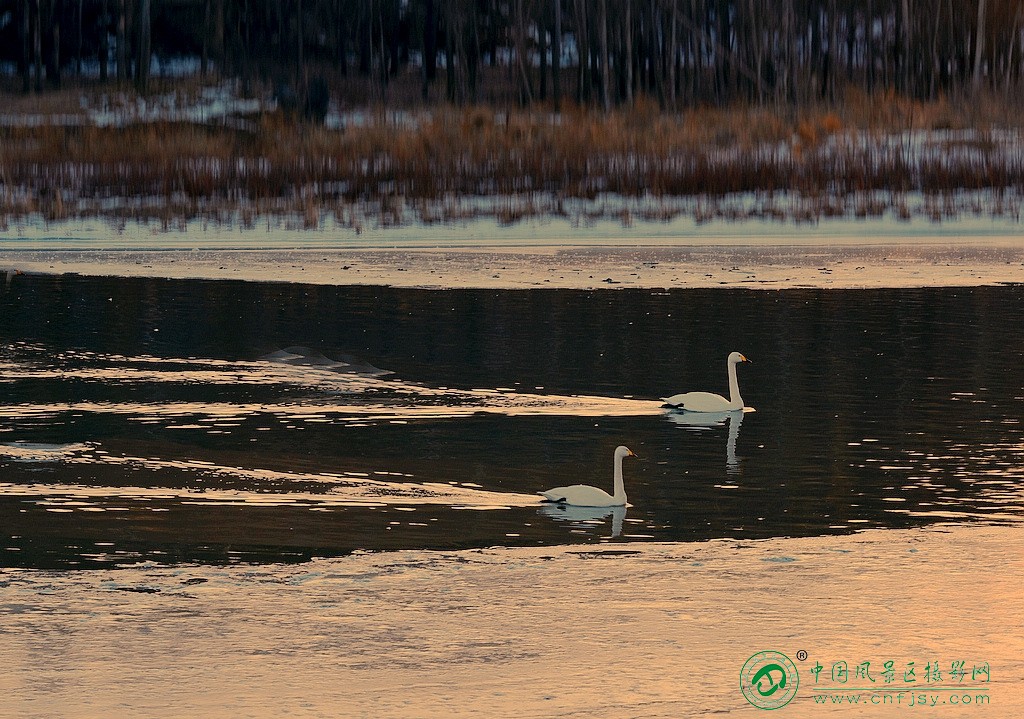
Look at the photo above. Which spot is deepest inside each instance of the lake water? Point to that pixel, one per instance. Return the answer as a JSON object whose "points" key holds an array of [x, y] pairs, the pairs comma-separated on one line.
{"points": [[217, 422]]}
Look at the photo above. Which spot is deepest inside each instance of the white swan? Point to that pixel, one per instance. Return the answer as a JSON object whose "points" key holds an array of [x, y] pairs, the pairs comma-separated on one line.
{"points": [[582, 495], [708, 402]]}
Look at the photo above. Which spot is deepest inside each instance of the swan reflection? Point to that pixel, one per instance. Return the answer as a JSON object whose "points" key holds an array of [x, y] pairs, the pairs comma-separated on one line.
{"points": [[700, 420], [9, 274], [589, 515]]}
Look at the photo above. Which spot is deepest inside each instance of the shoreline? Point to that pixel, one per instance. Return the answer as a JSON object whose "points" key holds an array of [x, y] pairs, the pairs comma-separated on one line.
{"points": [[551, 252], [943, 263]]}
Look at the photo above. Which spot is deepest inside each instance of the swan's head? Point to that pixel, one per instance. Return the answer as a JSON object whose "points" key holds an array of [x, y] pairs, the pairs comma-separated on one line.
{"points": [[623, 452], [736, 358]]}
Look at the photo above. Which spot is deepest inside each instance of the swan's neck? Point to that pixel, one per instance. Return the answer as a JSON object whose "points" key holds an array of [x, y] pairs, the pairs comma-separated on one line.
{"points": [[620, 487], [734, 388]]}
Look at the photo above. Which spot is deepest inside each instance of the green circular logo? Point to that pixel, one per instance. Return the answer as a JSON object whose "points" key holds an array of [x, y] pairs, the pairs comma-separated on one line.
{"points": [[769, 680]]}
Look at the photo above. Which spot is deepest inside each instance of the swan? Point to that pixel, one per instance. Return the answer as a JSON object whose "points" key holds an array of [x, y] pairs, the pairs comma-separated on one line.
{"points": [[582, 495], [708, 402]]}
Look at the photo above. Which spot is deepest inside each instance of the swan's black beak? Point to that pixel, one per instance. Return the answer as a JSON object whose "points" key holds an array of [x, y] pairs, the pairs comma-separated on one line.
{"points": [[744, 359]]}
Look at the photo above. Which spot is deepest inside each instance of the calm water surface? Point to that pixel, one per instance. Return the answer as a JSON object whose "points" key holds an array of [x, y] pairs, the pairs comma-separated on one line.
{"points": [[159, 420]]}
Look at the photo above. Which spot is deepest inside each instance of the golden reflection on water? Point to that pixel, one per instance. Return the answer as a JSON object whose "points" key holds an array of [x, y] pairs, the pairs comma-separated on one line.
{"points": [[660, 630]]}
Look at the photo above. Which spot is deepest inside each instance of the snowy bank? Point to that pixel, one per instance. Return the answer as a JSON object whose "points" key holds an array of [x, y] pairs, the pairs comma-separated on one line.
{"points": [[548, 253]]}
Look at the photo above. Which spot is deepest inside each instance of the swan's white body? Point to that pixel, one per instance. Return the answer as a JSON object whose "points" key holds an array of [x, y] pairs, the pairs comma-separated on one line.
{"points": [[582, 495], [708, 402]]}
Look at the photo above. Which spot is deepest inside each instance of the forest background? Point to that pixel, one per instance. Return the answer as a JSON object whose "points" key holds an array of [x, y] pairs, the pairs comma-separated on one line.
{"points": [[235, 109]]}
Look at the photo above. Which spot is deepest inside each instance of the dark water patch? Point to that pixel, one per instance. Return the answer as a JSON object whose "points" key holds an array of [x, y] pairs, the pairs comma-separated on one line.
{"points": [[141, 420]]}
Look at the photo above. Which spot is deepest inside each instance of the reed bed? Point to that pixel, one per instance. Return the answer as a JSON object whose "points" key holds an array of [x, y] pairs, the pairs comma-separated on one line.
{"points": [[448, 165]]}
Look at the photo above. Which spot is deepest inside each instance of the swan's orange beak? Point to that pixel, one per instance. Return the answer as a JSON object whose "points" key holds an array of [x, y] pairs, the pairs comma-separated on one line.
{"points": [[634, 454], [744, 359]]}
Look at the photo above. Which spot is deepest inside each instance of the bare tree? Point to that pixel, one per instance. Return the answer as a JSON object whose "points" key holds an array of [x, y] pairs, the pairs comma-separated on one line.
{"points": [[979, 45], [606, 99], [556, 56], [143, 44], [681, 51], [122, 41]]}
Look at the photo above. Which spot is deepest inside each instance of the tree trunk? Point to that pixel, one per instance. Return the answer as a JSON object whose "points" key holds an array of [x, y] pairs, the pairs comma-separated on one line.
{"points": [[450, 83], [673, 75], [789, 79], [693, 46], [606, 98], [759, 50], [556, 57], [341, 38], [143, 46], [78, 42], [122, 42], [53, 62], [905, 57], [1013, 51], [656, 54], [936, 55], [204, 55], [429, 47], [473, 58], [979, 46], [104, 51], [25, 56], [453, 21], [851, 43], [365, 30], [869, 47], [385, 70], [520, 23], [492, 32], [627, 27], [583, 50], [300, 40], [542, 46], [724, 55], [37, 43]]}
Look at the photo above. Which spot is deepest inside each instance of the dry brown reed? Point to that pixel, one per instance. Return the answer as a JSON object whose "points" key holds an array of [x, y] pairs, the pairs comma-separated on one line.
{"points": [[272, 164]]}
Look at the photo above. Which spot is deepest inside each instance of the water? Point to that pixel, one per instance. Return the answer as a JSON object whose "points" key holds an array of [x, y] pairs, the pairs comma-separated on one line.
{"points": [[158, 420]]}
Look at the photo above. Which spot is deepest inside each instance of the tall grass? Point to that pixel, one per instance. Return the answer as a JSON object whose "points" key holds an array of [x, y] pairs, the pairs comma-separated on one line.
{"points": [[836, 161]]}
